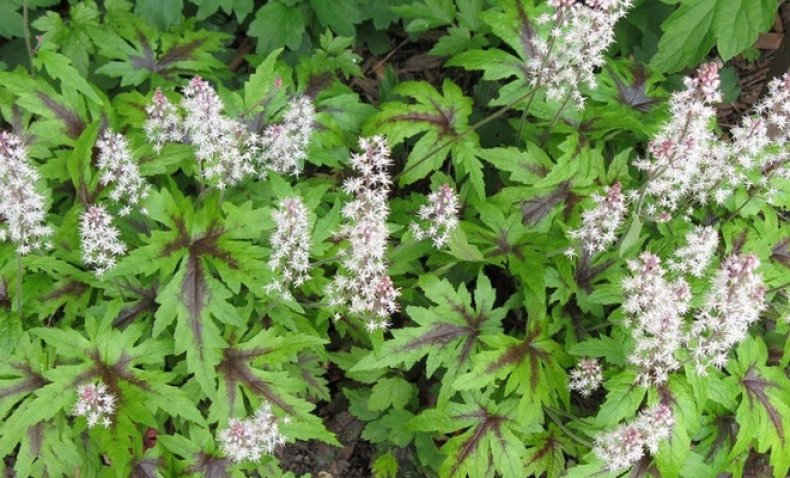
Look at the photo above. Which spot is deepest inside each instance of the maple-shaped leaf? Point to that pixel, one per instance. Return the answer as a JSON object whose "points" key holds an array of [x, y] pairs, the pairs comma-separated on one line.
{"points": [[20, 376], [136, 52], [535, 209], [546, 453], [627, 99], [193, 297], [448, 334], [764, 410], [60, 121], [634, 93], [484, 436], [781, 252], [528, 366], [437, 118], [257, 370], [512, 23], [147, 468]]}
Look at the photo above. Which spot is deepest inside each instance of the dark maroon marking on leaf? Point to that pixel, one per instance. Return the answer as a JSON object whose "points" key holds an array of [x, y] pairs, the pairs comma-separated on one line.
{"points": [[306, 375], [162, 65], [737, 246], [194, 289], [756, 390], [146, 468], [181, 241], [207, 245], [635, 94], [195, 296], [74, 125], [726, 427], [487, 423], [235, 366], [318, 83], [585, 272], [527, 36], [504, 247], [665, 395], [147, 303], [181, 52], [548, 446], [535, 209], [17, 121], [440, 334], [72, 288], [36, 436], [473, 322], [448, 115], [195, 292], [111, 374], [571, 200], [32, 381], [210, 466], [147, 61], [444, 333], [516, 353], [440, 120], [5, 300], [781, 252]]}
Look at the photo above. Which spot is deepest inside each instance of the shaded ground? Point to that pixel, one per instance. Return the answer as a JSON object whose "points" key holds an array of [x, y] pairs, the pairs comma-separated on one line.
{"points": [[324, 461], [773, 61]]}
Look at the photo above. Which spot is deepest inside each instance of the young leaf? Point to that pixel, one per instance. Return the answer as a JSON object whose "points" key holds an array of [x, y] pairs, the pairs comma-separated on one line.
{"points": [[449, 333], [486, 438]]}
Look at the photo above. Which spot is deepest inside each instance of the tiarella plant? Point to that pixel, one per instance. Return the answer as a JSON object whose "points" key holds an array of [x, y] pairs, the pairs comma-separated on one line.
{"points": [[232, 231]]}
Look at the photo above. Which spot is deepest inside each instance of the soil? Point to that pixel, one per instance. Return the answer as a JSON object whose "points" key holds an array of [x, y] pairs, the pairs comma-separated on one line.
{"points": [[754, 75], [319, 460]]}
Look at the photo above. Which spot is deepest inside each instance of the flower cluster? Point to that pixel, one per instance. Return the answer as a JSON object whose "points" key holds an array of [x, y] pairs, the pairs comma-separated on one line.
{"points": [[579, 36], [290, 259], [226, 149], [654, 310], [164, 121], [439, 216], [624, 446], [116, 166], [586, 377], [600, 224], [21, 206], [96, 403], [695, 256], [250, 439], [101, 242], [687, 159], [760, 140], [735, 302], [363, 284], [284, 145], [776, 108]]}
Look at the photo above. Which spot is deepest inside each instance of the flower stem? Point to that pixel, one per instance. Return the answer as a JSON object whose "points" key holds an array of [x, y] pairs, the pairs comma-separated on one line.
{"points": [[28, 43], [19, 270], [566, 430]]}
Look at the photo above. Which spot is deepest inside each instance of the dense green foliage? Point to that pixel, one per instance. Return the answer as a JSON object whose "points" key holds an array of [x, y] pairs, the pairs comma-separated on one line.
{"points": [[471, 378]]}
